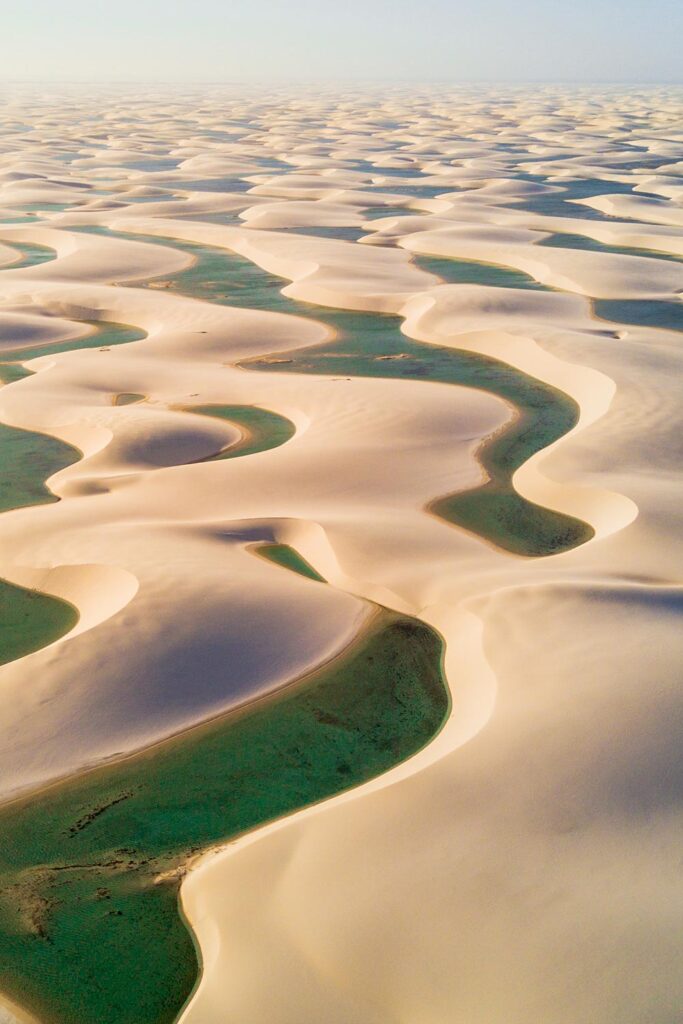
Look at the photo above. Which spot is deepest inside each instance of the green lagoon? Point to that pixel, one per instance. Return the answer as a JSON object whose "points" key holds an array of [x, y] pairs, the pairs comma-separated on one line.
{"points": [[373, 345], [90, 867], [262, 429]]}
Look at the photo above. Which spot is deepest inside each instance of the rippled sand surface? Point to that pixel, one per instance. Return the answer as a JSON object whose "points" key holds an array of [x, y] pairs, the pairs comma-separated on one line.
{"points": [[286, 258]]}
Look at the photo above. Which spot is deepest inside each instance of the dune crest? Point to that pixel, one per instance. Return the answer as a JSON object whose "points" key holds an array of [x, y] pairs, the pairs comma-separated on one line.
{"points": [[180, 294]]}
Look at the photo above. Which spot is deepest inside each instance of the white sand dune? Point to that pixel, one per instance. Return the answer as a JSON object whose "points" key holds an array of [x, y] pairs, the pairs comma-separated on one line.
{"points": [[82, 258], [523, 866], [655, 211], [12, 1014], [321, 269], [27, 330], [295, 214], [600, 275], [480, 223]]}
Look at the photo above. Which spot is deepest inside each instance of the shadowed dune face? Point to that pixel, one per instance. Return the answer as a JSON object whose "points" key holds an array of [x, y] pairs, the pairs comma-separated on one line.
{"points": [[270, 362], [341, 726]]}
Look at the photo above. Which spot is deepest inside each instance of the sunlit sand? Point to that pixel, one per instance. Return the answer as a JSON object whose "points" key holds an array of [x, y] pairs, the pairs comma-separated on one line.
{"points": [[280, 369]]}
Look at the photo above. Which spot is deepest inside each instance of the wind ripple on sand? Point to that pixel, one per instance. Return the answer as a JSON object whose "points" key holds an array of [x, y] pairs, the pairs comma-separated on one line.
{"points": [[404, 898]]}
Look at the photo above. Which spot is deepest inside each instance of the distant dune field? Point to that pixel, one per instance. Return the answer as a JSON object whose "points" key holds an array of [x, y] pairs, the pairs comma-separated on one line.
{"points": [[341, 559]]}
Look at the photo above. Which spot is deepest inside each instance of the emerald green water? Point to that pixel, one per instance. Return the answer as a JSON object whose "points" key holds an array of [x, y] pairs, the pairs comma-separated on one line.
{"points": [[494, 510], [570, 241], [30, 620], [497, 511], [454, 271], [558, 204], [344, 234], [31, 253], [104, 335], [9, 372], [641, 312], [372, 345], [87, 936], [289, 558], [27, 460], [128, 398], [375, 212], [47, 207], [262, 428]]}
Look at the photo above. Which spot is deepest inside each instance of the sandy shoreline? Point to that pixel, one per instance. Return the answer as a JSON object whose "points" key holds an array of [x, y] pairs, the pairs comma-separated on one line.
{"points": [[403, 897], [10, 1013]]}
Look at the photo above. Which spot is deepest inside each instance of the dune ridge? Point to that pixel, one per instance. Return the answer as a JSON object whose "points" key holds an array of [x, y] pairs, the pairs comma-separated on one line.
{"points": [[404, 897]]}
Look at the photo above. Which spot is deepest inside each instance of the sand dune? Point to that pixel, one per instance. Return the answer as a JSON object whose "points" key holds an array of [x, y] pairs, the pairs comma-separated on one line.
{"points": [[600, 275], [655, 211], [523, 865], [11, 1014]]}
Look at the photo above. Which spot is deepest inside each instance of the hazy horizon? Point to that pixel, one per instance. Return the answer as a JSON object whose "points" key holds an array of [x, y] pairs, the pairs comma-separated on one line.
{"points": [[597, 42]]}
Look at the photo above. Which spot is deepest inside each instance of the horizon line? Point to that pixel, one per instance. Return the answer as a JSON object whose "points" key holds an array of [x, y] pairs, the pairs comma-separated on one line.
{"points": [[359, 80]]}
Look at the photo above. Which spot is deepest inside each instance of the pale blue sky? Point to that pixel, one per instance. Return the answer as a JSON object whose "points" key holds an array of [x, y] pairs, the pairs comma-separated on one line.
{"points": [[227, 40]]}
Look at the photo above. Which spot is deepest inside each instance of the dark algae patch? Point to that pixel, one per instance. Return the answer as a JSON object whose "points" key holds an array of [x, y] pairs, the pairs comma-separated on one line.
{"points": [[261, 428], [90, 868]]}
